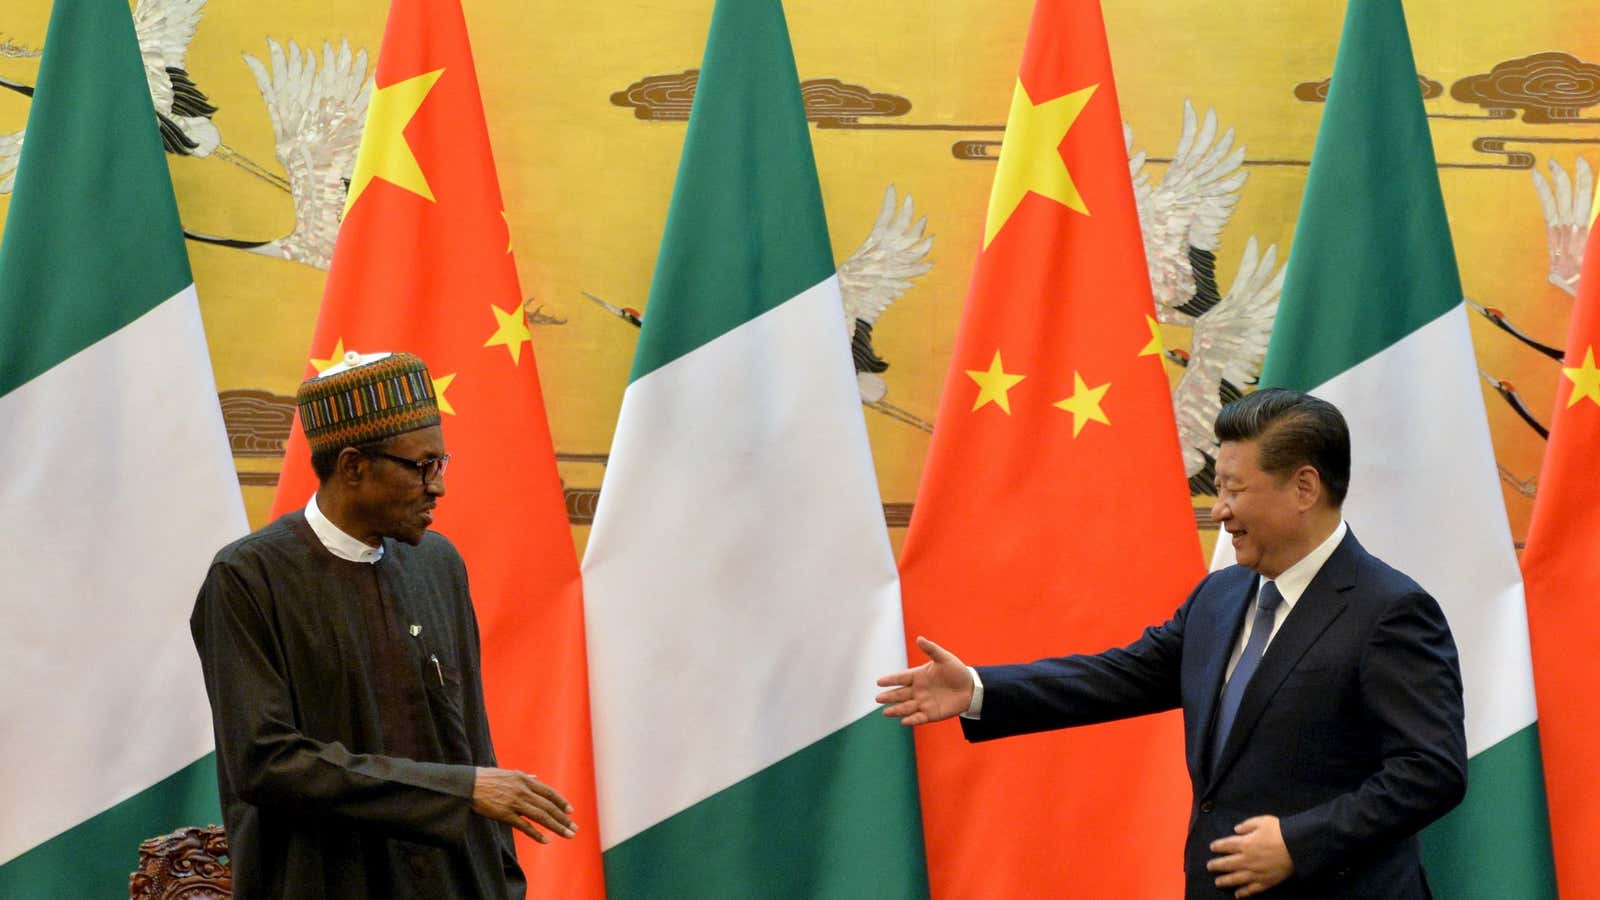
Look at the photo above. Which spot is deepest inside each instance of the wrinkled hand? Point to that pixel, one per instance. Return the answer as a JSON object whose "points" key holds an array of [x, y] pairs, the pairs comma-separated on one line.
{"points": [[1254, 859], [937, 689], [521, 801]]}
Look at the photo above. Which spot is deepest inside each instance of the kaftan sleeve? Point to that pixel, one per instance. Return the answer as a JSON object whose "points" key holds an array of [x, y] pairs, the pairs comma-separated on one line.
{"points": [[271, 764], [477, 722]]}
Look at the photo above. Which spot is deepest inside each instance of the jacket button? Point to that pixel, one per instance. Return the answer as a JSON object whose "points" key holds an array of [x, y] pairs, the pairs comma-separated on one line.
{"points": [[1207, 806]]}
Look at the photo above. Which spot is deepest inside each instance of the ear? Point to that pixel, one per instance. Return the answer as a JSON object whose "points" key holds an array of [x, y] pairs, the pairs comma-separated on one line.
{"points": [[1308, 487], [351, 466]]}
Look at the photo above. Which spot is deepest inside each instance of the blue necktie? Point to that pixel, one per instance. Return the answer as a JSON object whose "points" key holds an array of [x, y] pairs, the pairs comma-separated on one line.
{"points": [[1266, 604]]}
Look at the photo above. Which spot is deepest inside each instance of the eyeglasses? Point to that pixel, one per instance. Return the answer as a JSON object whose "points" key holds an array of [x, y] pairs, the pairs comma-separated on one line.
{"points": [[431, 467]]}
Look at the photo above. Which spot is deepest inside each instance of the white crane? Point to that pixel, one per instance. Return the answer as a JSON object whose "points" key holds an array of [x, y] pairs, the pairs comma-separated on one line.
{"points": [[1229, 343], [317, 116], [874, 276], [165, 28], [10, 152], [870, 279], [1182, 217], [1566, 202]]}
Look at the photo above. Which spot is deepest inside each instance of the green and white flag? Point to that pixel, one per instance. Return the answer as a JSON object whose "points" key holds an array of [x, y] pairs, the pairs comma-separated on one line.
{"points": [[118, 483], [740, 592], [1372, 320]]}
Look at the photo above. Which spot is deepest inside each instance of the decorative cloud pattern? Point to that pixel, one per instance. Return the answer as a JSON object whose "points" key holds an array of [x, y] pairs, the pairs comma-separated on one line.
{"points": [[1547, 87], [667, 98], [1317, 91], [257, 421]]}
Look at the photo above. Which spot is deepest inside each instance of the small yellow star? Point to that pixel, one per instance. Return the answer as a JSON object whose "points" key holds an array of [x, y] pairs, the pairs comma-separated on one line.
{"points": [[511, 331], [440, 385], [1585, 380], [1154, 348], [384, 152], [1030, 156], [1084, 404], [993, 385], [323, 365]]}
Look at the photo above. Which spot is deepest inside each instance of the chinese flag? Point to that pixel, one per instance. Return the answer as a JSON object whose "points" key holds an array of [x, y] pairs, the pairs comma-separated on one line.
{"points": [[1053, 515], [1561, 573], [423, 264]]}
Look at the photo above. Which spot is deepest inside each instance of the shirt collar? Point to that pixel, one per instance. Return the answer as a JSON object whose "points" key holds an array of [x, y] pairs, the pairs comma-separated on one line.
{"points": [[1293, 581], [336, 540]]}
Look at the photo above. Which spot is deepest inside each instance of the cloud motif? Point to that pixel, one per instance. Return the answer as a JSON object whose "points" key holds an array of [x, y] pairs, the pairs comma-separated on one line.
{"points": [[257, 421], [1547, 87], [668, 98], [1317, 91]]}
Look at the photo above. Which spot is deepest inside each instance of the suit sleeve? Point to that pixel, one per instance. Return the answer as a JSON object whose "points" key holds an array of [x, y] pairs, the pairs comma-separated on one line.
{"points": [[271, 764], [1411, 688], [1084, 689]]}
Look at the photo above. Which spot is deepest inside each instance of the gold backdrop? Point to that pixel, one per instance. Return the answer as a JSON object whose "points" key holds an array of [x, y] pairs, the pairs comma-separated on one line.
{"points": [[586, 106]]}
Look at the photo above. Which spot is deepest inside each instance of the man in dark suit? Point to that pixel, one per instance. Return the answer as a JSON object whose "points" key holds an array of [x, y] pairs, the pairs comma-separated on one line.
{"points": [[1320, 689]]}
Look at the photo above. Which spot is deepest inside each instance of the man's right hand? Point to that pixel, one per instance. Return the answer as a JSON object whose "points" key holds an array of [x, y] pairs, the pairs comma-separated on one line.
{"points": [[937, 689], [521, 801]]}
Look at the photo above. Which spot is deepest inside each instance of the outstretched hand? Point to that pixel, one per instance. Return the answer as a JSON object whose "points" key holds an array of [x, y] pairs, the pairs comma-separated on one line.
{"points": [[521, 801], [937, 689]]}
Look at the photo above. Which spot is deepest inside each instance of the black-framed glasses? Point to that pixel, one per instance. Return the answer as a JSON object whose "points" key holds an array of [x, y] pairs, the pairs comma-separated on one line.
{"points": [[431, 467]]}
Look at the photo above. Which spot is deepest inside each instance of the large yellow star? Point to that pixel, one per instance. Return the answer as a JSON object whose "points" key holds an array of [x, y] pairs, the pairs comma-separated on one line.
{"points": [[1154, 348], [1585, 380], [1084, 404], [512, 331], [384, 152], [993, 385], [440, 385], [1030, 156], [323, 365]]}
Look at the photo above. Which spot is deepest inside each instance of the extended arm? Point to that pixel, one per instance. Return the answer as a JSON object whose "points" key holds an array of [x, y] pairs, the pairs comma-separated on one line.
{"points": [[1083, 689]]}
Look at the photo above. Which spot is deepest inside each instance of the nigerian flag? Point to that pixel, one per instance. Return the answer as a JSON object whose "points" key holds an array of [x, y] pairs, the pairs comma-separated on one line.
{"points": [[118, 483], [739, 589], [1372, 320]]}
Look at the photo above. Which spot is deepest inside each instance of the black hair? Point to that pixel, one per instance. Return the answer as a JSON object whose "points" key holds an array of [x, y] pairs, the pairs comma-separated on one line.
{"points": [[325, 460], [1295, 429]]}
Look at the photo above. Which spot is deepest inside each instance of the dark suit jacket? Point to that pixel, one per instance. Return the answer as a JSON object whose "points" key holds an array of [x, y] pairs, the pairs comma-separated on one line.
{"points": [[1351, 731]]}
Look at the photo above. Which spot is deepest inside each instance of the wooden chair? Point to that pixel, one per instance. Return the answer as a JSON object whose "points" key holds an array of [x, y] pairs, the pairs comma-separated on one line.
{"points": [[188, 864]]}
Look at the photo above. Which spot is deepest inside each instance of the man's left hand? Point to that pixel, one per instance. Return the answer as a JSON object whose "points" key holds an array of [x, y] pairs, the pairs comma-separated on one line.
{"points": [[1254, 859]]}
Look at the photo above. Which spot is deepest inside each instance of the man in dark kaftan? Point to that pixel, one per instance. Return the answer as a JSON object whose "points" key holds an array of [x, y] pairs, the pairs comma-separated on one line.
{"points": [[340, 653]]}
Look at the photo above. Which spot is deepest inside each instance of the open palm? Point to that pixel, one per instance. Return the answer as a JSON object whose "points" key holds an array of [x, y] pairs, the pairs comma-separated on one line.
{"points": [[937, 689]]}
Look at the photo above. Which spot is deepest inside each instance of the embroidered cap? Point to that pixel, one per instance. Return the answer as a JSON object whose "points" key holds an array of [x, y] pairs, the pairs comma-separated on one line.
{"points": [[366, 398]]}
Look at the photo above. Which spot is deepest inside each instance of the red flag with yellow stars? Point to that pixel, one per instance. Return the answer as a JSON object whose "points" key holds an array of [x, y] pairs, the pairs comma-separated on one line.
{"points": [[1561, 574], [423, 264], [1054, 515]]}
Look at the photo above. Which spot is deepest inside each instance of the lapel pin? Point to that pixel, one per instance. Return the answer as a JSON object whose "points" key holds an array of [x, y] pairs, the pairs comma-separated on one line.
{"points": [[416, 630]]}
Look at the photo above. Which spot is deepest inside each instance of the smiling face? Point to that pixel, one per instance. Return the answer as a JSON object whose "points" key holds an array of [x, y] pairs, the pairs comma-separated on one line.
{"points": [[389, 498], [1265, 515]]}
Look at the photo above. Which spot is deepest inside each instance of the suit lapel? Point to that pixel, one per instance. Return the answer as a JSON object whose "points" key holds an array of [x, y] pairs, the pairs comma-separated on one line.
{"points": [[1316, 609], [1223, 633]]}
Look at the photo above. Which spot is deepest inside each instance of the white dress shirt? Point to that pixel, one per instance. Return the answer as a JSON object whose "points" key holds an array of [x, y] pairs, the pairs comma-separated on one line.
{"points": [[1292, 582], [338, 543]]}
